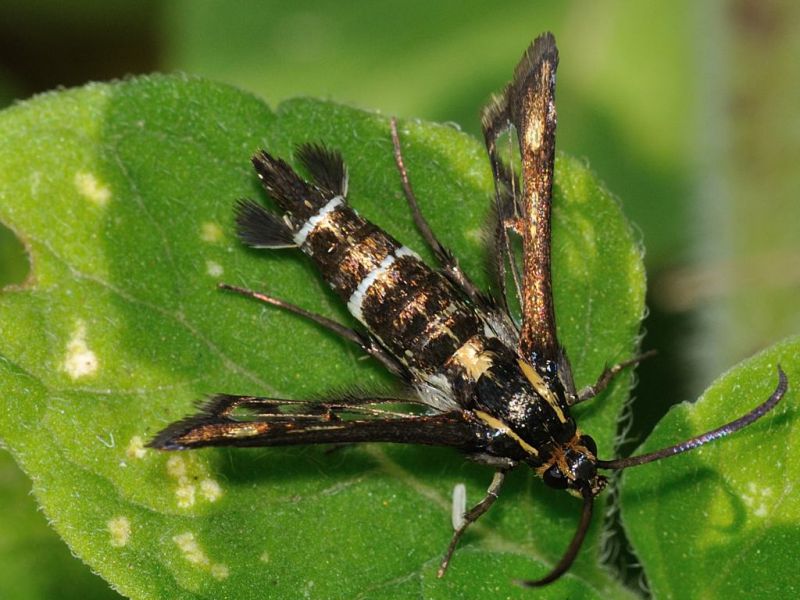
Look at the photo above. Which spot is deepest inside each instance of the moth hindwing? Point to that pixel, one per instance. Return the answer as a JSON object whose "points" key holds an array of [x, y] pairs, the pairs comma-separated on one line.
{"points": [[499, 392]]}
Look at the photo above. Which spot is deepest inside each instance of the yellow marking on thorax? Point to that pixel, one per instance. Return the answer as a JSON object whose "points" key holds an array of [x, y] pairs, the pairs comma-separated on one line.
{"points": [[542, 389], [475, 360], [503, 428]]}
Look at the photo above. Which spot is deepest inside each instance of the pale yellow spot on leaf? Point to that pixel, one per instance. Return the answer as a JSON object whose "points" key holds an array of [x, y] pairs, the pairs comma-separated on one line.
{"points": [[80, 361], [758, 499], [264, 557], [214, 269], [176, 466], [210, 489], [210, 232], [120, 530], [185, 492], [219, 571], [184, 495], [194, 553], [135, 448], [186, 470], [91, 188], [191, 549]]}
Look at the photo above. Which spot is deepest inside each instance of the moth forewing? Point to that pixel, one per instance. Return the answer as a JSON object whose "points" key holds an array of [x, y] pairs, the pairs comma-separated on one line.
{"points": [[533, 113], [528, 104]]}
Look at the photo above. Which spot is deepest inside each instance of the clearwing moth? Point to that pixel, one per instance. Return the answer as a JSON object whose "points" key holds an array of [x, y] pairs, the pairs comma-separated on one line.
{"points": [[498, 391]]}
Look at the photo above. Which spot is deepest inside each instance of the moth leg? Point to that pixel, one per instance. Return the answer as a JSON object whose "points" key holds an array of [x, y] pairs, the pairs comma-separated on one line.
{"points": [[366, 343], [608, 374], [446, 259], [473, 515]]}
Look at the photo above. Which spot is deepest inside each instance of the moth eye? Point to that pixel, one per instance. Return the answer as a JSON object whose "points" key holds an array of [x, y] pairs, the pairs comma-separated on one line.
{"points": [[554, 478], [585, 470], [589, 443]]}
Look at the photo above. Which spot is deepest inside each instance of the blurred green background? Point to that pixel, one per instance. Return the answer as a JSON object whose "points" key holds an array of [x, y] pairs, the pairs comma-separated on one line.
{"points": [[689, 111]]}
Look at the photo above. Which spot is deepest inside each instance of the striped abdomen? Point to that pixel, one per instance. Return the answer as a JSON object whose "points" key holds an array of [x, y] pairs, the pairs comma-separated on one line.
{"points": [[413, 310]]}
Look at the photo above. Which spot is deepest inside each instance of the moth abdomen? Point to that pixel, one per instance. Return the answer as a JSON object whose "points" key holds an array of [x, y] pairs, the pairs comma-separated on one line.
{"points": [[418, 315]]}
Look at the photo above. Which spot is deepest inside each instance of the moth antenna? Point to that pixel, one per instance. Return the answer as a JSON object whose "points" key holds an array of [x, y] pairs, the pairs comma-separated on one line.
{"points": [[572, 551], [740, 423], [259, 228], [325, 166]]}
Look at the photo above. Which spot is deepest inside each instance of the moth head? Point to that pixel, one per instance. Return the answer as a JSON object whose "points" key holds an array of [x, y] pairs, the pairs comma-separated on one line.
{"points": [[573, 467]]}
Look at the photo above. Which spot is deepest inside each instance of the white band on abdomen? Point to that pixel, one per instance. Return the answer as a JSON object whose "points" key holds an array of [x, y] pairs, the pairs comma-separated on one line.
{"points": [[315, 220], [357, 298]]}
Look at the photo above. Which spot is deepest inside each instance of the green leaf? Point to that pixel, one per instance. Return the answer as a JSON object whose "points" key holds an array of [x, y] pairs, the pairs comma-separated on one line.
{"points": [[721, 521], [123, 195], [34, 562]]}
